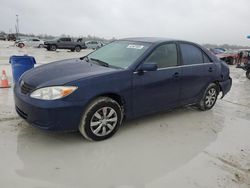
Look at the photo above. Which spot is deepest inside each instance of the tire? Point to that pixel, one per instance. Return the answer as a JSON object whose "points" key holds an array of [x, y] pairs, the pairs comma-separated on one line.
{"points": [[40, 46], [20, 45], [77, 48], [209, 97], [102, 128], [53, 47], [248, 74]]}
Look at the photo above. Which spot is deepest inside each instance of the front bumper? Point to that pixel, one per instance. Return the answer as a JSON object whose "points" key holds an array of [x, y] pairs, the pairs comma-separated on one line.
{"points": [[225, 86], [57, 115]]}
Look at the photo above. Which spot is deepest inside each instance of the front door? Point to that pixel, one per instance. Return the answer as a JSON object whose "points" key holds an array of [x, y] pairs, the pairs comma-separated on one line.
{"points": [[157, 90]]}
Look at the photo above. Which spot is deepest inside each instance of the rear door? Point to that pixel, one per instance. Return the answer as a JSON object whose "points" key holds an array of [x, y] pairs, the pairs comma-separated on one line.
{"points": [[64, 43], [70, 43], [197, 72], [157, 90], [61, 43], [67, 43]]}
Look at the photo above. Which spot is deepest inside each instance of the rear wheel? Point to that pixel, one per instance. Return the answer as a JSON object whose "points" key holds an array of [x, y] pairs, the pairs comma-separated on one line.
{"points": [[209, 98], [77, 48], [101, 119], [40, 46], [248, 74]]}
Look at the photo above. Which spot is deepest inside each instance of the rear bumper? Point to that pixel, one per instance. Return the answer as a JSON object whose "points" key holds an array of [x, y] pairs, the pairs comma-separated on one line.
{"points": [[225, 86], [55, 115]]}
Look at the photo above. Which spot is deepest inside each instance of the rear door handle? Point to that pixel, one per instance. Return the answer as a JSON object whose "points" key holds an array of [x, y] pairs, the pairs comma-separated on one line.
{"points": [[176, 75], [210, 69]]}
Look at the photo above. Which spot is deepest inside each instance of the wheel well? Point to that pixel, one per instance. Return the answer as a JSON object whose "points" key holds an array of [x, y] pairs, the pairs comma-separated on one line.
{"points": [[218, 85], [117, 98]]}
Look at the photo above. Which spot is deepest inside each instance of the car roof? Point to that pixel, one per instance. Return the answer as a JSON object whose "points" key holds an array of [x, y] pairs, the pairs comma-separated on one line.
{"points": [[149, 39]]}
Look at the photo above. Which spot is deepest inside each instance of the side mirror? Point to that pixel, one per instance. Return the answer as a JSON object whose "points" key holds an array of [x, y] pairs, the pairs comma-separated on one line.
{"points": [[148, 67]]}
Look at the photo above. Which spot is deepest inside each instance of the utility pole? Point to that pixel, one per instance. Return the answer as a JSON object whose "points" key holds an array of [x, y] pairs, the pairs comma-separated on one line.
{"points": [[17, 25]]}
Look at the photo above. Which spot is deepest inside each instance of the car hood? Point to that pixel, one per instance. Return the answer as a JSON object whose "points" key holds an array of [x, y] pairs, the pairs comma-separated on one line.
{"points": [[62, 72]]}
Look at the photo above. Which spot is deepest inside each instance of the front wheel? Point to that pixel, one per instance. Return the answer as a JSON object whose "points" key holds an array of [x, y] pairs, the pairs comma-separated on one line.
{"points": [[53, 47], [209, 98], [101, 119]]}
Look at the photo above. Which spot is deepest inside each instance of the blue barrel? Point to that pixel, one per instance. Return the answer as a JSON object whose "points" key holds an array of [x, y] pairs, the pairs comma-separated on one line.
{"points": [[21, 64]]}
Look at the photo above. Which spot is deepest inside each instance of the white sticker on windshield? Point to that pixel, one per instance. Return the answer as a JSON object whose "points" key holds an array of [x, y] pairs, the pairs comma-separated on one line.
{"points": [[138, 47]]}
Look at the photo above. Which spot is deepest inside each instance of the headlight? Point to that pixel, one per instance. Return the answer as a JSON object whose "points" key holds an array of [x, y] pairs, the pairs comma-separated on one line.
{"points": [[52, 93]]}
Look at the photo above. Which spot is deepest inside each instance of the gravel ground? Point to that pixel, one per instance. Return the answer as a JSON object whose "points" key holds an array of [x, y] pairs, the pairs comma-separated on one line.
{"points": [[181, 148]]}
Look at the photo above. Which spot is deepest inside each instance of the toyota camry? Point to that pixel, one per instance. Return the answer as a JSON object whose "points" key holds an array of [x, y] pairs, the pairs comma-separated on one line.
{"points": [[125, 79]]}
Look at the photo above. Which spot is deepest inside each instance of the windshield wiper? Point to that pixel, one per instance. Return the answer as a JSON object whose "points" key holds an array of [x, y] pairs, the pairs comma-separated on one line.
{"points": [[85, 57], [100, 62]]}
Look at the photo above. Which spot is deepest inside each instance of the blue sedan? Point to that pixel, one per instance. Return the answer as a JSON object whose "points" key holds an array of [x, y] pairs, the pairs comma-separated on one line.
{"points": [[122, 80]]}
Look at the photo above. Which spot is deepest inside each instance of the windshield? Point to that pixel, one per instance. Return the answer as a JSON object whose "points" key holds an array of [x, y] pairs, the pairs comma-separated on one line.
{"points": [[120, 53]]}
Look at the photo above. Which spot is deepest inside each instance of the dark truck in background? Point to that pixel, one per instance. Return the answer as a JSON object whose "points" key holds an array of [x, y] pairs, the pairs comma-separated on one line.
{"points": [[65, 43]]}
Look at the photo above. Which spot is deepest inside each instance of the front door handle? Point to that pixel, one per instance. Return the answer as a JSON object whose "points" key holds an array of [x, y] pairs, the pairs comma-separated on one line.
{"points": [[210, 69]]}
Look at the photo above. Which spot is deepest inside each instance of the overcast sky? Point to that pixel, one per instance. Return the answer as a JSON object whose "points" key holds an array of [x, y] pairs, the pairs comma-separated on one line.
{"points": [[202, 21]]}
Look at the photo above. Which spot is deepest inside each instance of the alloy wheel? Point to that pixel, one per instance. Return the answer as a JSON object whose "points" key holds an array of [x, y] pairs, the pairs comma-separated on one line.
{"points": [[103, 121], [210, 97]]}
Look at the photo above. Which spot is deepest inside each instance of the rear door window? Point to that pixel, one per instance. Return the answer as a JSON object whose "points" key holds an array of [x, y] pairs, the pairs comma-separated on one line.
{"points": [[206, 58], [191, 54]]}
